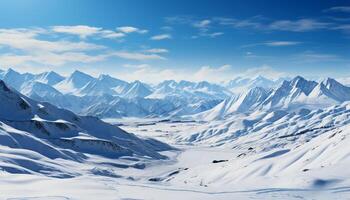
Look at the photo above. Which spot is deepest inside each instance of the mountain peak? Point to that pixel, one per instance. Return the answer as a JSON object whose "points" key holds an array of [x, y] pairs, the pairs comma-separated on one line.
{"points": [[298, 79], [329, 82], [303, 84], [79, 73], [105, 76], [80, 76], [11, 71], [50, 78]]}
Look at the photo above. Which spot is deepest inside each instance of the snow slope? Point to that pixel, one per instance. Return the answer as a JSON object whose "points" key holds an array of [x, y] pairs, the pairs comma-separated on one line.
{"points": [[38, 138]]}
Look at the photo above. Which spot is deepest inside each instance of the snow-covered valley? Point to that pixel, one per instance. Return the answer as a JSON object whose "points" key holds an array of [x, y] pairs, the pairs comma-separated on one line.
{"points": [[314, 170]]}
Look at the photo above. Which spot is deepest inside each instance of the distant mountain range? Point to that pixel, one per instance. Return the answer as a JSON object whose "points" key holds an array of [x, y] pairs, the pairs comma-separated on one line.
{"points": [[109, 97]]}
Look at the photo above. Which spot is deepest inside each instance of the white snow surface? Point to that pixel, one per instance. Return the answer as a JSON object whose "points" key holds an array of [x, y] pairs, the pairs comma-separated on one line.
{"points": [[176, 140]]}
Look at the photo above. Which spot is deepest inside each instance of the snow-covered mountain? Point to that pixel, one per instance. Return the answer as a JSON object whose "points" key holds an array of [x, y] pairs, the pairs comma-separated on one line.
{"points": [[136, 89], [290, 95], [240, 84], [41, 136], [245, 102], [50, 78], [190, 90], [74, 83]]}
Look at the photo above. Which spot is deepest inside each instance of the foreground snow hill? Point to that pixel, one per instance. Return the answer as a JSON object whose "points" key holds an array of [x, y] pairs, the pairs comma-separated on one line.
{"points": [[39, 138]]}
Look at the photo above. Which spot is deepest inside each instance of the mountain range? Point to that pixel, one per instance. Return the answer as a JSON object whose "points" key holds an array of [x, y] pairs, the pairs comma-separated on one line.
{"points": [[109, 97]]}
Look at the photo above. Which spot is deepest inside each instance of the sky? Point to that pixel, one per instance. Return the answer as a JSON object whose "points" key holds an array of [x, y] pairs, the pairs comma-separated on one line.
{"points": [[155, 40]]}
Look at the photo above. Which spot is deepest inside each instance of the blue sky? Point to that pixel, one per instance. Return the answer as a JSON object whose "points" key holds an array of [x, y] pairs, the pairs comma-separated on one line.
{"points": [[153, 40]]}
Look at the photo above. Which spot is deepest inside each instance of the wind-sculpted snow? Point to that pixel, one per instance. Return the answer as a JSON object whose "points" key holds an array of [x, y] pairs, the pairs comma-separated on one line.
{"points": [[315, 155], [39, 134], [270, 128]]}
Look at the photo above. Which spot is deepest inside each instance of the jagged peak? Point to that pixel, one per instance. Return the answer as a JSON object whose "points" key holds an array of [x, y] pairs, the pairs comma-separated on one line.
{"points": [[78, 73], [328, 82], [11, 71]]}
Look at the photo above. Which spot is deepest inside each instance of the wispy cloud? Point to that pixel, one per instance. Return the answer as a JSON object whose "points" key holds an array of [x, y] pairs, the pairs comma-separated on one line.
{"points": [[338, 9], [252, 22], [265, 24], [345, 27], [111, 34], [214, 74], [28, 46], [264, 70], [49, 58], [136, 66], [137, 56], [311, 57], [131, 29], [80, 30], [281, 43], [27, 40], [84, 31], [300, 25], [214, 35], [202, 24], [156, 51], [274, 44], [161, 37]]}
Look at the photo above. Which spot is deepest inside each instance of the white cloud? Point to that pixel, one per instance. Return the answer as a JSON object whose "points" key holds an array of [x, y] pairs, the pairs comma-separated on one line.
{"points": [[264, 24], [213, 74], [166, 28], [131, 29], [80, 30], [87, 31], [339, 9], [265, 71], [137, 66], [26, 47], [310, 57], [252, 22], [202, 24], [273, 44], [26, 40], [345, 27], [301, 25], [161, 37], [137, 56], [49, 58], [111, 34], [281, 43], [157, 51]]}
